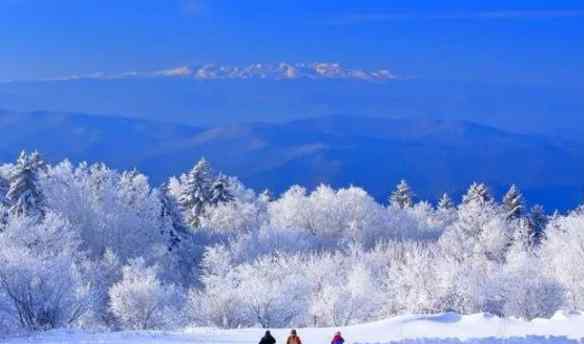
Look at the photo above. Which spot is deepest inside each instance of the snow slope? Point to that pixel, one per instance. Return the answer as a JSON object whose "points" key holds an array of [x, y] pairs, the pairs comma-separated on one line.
{"points": [[444, 328]]}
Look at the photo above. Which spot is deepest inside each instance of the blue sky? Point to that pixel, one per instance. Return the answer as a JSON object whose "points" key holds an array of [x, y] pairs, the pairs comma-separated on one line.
{"points": [[490, 41]]}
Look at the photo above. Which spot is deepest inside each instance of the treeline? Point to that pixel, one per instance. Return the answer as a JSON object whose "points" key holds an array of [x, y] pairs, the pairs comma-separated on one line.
{"points": [[88, 246]]}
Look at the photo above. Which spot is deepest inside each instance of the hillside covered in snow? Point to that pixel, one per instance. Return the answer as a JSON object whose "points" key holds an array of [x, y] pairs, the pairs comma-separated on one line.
{"points": [[86, 247], [445, 328]]}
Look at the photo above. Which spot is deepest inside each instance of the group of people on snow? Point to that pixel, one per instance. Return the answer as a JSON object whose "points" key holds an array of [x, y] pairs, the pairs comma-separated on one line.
{"points": [[293, 338]]}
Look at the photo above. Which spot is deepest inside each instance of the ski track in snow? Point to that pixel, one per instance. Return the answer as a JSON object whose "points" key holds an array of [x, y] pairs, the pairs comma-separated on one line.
{"points": [[447, 328]]}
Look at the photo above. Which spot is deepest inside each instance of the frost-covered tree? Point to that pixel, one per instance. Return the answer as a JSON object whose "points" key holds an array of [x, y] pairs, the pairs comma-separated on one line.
{"points": [[220, 191], [141, 301], [273, 292], [411, 279], [477, 192], [196, 192], [445, 213], [170, 212], [4, 185], [445, 202], [111, 210], [563, 253], [111, 250], [219, 303], [402, 196], [266, 195], [349, 297], [522, 241], [537, 222], [418, 223], [481, 230], [329, 218], [234, 218], [100, 274], [522, 289], [41, 281], [513, 203], [24, 196]]}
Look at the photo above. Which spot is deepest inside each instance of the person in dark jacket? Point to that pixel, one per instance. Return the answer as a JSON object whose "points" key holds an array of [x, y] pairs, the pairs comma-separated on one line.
{"points": [[293, 338], [338, 339], [267, 339]]}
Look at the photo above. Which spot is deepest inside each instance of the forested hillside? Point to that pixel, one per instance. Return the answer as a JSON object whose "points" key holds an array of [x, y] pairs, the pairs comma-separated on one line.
{"points": [[435, 156], [88, 246]]}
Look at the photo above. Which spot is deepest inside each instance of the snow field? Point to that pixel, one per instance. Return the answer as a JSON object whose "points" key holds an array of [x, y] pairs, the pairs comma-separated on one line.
{"points": [[446, 328]]}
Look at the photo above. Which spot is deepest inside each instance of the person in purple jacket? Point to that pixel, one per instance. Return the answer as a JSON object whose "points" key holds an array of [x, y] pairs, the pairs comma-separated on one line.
{"points": [[338, 339]]}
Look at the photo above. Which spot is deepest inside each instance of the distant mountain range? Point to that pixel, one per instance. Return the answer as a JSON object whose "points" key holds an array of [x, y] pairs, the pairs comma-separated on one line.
{"points": [[279, 71], [224, 98], [435, 156]]}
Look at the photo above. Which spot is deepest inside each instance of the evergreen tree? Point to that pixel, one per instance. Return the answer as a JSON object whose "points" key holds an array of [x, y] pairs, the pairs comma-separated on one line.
{"points": [[24, 197], [445, 202], [220, 191], [267, 195], [4, 185], [196, 192], [513, 203], [402, 196], [477, 192], [169, 212], [537, 222], [522, 238]]}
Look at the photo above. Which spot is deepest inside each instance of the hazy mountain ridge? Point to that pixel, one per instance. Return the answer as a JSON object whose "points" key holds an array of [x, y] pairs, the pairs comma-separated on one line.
{"points": [[516, 108], [434, 155]]}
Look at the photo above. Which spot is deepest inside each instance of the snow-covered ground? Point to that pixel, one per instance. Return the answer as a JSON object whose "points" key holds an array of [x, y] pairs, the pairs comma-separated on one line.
{"points": [[444, 328]]}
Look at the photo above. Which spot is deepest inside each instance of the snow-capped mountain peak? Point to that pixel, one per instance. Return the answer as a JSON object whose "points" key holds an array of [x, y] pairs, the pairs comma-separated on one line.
{"points": [[277, 71]]}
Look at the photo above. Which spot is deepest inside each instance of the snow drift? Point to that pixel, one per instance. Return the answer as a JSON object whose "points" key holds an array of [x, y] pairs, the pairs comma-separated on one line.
{"points": [[445, 328]]}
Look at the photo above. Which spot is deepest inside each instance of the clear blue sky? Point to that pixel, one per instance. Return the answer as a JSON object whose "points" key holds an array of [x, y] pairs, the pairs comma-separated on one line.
{"points": [[517, 41]]}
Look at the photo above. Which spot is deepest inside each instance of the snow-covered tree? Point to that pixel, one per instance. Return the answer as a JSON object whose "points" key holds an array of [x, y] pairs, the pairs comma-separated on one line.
{"points": [[537, 221], [111, 210], [24, 196], [233, 218], [196, 192], [330, 218], [274, 292], [170, 212], [220, 191], [445, 202], [411, 280], [481, 230], [563, 253], [446, 212], [219, 303], [402, 196], [141, 301], [111, 250], [352, 297], [477, 192], [4, 185], [522, 240], [266, 195], [513, 203], [41, 281], [522, 289]]}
